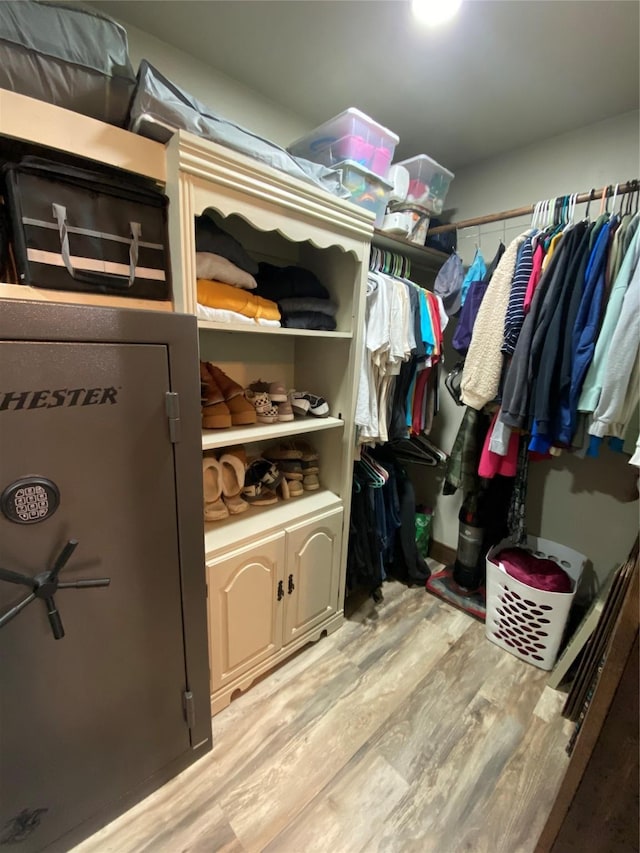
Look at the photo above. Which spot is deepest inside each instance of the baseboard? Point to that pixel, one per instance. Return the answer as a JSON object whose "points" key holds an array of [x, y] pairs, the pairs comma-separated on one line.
{"points": [[442, 553]]}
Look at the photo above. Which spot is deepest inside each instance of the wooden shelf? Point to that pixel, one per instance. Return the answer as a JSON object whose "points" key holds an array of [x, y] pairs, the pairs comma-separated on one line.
{"points": [[73, 297], [212, 438], [45, 124], [270, 330], [252, 524], [418, 255]]}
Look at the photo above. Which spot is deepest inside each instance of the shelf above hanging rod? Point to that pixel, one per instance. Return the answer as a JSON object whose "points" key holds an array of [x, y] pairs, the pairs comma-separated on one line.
{"points": [[583, 198]]}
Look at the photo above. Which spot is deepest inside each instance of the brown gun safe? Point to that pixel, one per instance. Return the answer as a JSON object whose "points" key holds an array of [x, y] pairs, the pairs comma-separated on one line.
{"points": [[104, 681]]}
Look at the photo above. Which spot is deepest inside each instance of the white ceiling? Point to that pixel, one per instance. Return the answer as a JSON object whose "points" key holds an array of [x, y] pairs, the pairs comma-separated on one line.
{"points": [[500, 75]]}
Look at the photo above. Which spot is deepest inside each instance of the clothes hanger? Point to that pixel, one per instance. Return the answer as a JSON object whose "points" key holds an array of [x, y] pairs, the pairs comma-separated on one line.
{"points": [[369, 461], [605, 190], [534, 214], [628, 202], [586, 213], [570, 210], [374, 478], [622, 199], [613, 203], [378, 467]]}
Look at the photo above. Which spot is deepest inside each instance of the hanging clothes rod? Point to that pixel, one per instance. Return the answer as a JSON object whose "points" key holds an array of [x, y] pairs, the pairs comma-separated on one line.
{"points": [[583, 198]]}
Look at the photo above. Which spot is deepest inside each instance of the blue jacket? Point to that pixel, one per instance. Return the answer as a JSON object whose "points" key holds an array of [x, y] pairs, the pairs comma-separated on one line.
{"points": [[585, 330]]}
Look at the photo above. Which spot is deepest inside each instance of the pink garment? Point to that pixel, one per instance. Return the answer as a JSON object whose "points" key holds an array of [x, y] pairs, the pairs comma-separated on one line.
{"points": [[534, 571], [534, 278], [492, 463], [419, 400]]}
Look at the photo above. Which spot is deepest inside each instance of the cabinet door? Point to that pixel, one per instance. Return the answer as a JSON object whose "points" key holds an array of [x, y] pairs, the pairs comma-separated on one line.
{"points": [[245, 615], [313, 573]]}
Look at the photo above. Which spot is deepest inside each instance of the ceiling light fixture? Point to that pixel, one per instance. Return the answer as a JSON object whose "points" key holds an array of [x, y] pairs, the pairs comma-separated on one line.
{"points": [[434, 12]]}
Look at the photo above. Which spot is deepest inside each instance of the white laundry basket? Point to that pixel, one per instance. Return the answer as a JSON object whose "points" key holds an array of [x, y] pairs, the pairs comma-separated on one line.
{"points": [[525, 621]]}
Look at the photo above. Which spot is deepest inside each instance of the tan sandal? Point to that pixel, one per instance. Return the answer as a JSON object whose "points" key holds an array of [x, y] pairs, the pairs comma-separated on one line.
{"points": [[285, 491], [294, 449], [232, 483], [214, 507], [311, 483], [286, 450], [295, 487]]}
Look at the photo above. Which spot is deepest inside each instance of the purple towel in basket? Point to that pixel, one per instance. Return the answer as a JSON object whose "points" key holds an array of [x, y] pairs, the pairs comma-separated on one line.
{"points": [[534, 571]]}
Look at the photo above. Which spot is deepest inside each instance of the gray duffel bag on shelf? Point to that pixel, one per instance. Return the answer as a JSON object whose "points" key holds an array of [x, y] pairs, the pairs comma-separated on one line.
{"points": [[67, 55], [159, 108]]}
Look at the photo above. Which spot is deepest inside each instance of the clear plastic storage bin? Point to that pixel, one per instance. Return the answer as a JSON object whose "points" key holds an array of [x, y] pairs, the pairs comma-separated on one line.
{"points": [[429, 182], [409, 221], [352, 136], [525, 621], [367, 190]]}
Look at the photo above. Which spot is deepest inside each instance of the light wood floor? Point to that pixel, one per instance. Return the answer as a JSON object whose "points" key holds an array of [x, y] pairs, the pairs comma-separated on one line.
{"points": [[406, 731]]}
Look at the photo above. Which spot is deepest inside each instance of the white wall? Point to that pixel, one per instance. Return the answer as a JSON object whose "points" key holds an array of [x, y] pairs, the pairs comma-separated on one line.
{"points": [[222, 94], [581, 503], [593, 156]]}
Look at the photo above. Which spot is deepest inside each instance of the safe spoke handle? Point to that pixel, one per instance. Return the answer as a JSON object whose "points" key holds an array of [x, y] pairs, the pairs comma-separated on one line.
{"points": [[54, 619], [8, 615], [63, 558], [45, 584], [15, 577]]}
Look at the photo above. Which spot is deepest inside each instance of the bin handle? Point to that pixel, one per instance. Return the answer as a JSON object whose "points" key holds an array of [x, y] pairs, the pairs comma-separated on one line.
{"points": [[100, 279]]}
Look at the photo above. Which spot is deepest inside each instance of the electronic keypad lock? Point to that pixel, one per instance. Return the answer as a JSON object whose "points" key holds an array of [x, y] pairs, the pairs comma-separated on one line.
{"points": [[30, 500]]}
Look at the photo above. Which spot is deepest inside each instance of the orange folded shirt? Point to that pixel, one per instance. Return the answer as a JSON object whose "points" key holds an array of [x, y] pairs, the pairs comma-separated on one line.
{"points": [[215, 294]]}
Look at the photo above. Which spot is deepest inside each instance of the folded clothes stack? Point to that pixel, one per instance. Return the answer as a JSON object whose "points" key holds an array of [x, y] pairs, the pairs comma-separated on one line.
{"points": [[225, 274], [226, 300], [303, 300]]}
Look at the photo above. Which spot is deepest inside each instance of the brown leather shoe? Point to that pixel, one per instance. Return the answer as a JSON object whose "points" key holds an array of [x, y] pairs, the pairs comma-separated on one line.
{"points": [[215, 412]]}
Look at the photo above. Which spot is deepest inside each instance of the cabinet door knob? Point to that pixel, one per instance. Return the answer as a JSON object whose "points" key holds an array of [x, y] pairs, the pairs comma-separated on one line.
{"points": [[280, 591], [291, 585]]}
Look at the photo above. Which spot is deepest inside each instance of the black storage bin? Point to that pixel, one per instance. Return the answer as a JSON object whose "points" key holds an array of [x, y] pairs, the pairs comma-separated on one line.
{"points": [[75, 229], [67, 55]]}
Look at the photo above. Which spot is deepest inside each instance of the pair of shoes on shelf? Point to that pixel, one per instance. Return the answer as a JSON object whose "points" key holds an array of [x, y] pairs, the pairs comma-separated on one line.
{"points": [[298, 461], [266, 412], [263, 482], [271, 400], [291, 470], [304, 403], [223, 401], [223, 478]]}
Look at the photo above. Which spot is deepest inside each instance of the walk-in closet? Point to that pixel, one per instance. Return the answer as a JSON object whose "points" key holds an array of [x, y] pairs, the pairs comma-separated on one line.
{"points": [[319, 426]]}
